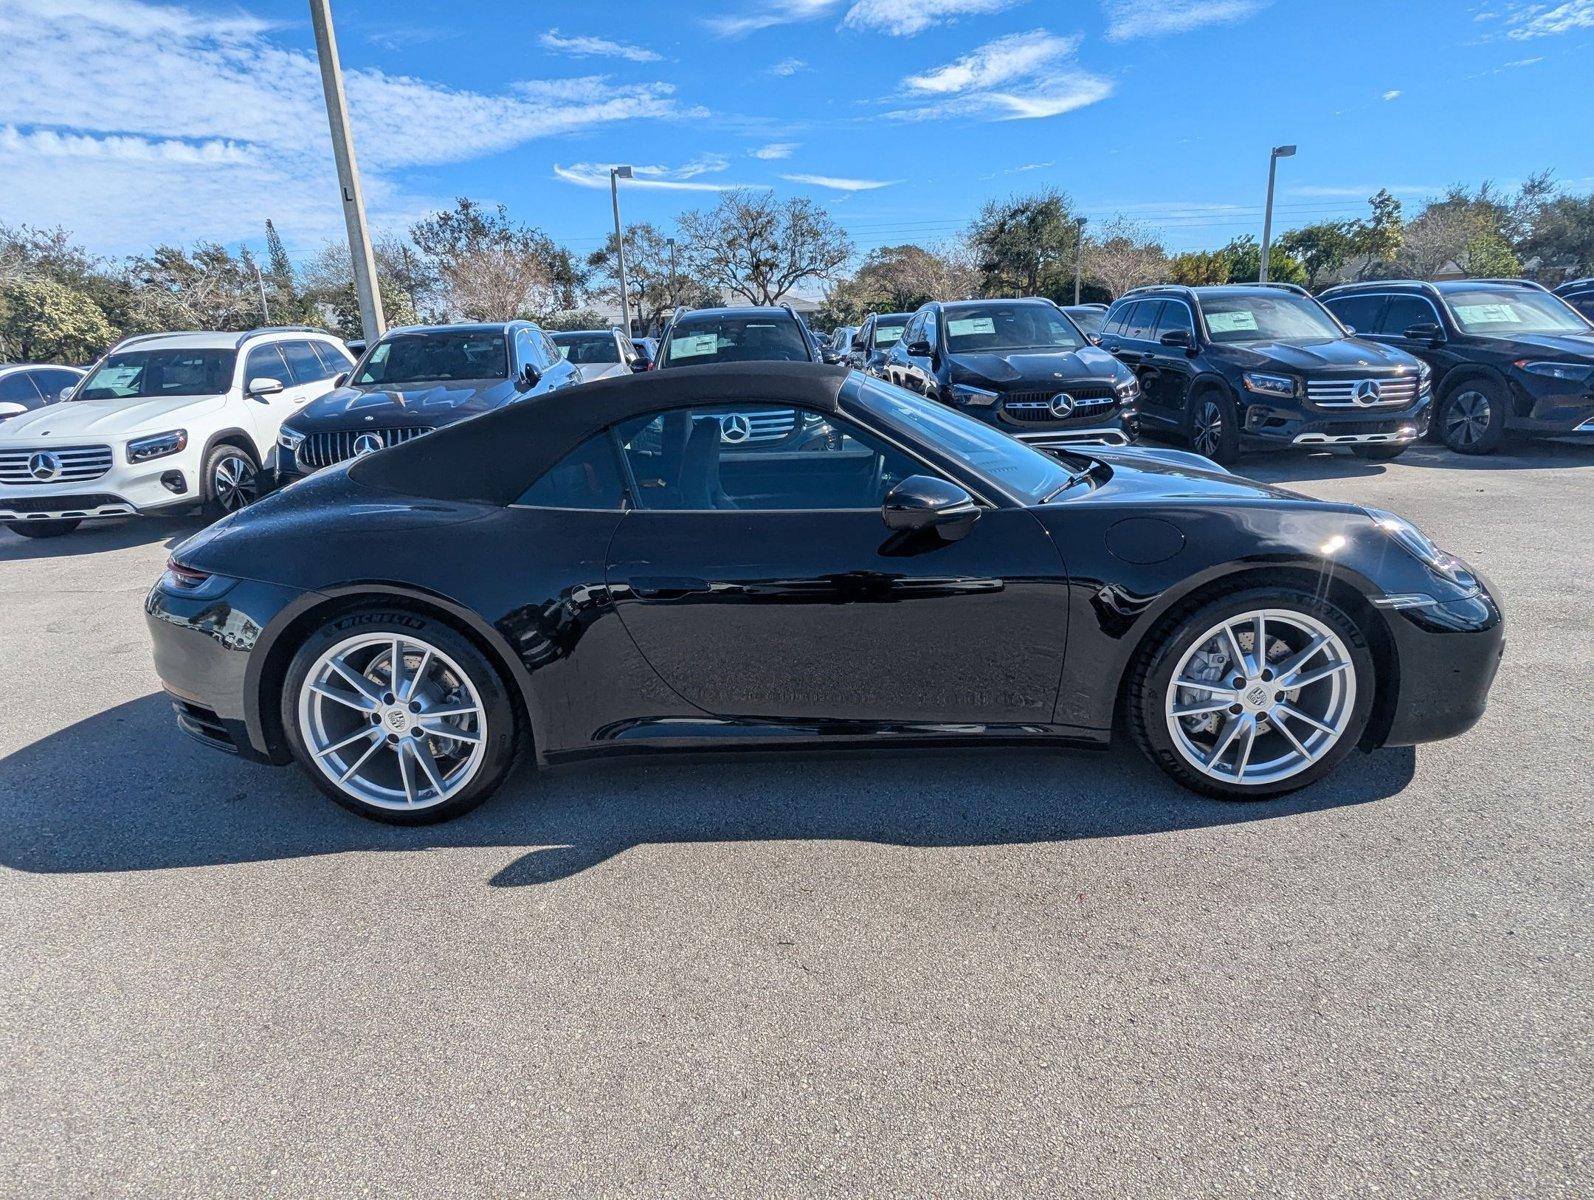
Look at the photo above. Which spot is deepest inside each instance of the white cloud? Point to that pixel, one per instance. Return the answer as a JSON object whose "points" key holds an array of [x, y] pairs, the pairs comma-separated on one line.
{"points": [[904, 18], [788, 66], [685, 178], [595, 47], [229, 127], [840, 184], [762, 14], [774, 150], [1128, 19], [1023, 75], [1546, 20], [1392, 94]]}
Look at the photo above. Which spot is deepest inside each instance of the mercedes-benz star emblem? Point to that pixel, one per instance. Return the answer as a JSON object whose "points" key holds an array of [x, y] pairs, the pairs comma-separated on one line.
{"points": [[1366, 392], [1062, 405], [367, 443], [735, 428], [44, 466]]}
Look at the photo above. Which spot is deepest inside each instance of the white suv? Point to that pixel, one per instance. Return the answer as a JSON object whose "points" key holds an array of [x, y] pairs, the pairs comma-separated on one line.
{"points": [[163, 421]]}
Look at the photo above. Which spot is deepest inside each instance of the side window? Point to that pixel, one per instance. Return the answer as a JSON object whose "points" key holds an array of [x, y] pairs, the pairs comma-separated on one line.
{"points": [[266, 362], [526, 351], [333, 360], [588, 477], [1113, 322], [913, 332], [303, 362], [1174, 316], [1359, 312], [52, 383], [1583, 302], [1143, 320], [17, 388], [931, 320], [1404, 312], [757, 457]]}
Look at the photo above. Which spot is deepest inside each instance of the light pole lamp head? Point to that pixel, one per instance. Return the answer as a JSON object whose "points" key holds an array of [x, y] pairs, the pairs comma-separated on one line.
{"points": [[1283, 151], [625, 172]]}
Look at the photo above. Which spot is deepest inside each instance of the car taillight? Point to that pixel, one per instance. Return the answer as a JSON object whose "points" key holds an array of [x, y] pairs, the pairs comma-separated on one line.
{"points": [[185, 578]]}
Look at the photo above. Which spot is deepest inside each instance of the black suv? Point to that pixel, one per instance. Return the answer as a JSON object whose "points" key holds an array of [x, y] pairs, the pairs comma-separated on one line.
{"points": [[1020, 365], [1579, 293], [697, 336], [1243, 366], [874, 339], [1507, 355]]}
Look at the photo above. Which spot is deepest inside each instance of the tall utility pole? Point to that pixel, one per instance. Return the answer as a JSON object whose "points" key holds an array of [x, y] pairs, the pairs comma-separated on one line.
{"points": [[1079, 254], [615, 175], [1267, 213], [326, 45], [265, 311]]}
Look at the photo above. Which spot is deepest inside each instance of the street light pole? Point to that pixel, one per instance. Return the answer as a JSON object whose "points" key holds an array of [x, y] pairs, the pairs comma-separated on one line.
{"points": [[1079, 253], [615, 175], [364, 262], [1277, 153]]}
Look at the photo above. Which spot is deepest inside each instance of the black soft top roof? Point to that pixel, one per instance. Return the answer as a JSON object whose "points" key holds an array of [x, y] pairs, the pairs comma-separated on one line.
{"points": [[492, 458]]}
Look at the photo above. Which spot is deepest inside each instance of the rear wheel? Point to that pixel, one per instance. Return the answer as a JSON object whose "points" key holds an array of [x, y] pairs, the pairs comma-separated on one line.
{"points": [[1378, 453], [398, 717], [44, 529], [1252, 695], [231, 481], [1472, 420], [1214, 427]]}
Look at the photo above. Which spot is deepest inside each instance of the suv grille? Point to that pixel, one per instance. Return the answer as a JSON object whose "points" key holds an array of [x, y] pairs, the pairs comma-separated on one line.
{"points": [[1362, 393], [324, 449], [1090, 399], [72, 464]]}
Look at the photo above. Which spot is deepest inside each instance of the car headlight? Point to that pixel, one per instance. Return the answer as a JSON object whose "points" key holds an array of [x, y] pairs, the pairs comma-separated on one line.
{"points": [[289, 439], [1424, 376], [1564, 371], [157, 445], [964, 393], [1269, 385], [1127, 389], [1421, 546]]}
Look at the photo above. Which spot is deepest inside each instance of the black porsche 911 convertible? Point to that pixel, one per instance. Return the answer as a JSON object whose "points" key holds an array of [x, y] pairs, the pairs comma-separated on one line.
{"points": [[779, 554]]}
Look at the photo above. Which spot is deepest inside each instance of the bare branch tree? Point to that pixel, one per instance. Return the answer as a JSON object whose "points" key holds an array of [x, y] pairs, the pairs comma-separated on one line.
{"points": [[758, 248]]}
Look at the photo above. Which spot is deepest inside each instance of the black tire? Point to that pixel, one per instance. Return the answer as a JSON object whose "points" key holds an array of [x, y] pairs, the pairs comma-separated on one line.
{"points": [[1464, 405], [44, 529], [1152, 675], [218, 496], [502, 735], [1379, 453], [1214, 425]]}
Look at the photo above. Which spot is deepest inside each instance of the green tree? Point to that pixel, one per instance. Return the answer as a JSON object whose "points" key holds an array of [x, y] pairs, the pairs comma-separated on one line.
{"points": [[42, 320], [1197, 267], [1026, 246], [485, 267], [1562, 238], [1245, 263], [1322, 249], [1489, 256], [207, 287]]}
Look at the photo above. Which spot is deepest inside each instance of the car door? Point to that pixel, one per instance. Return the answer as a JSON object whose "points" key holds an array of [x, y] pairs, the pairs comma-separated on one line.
{"points": [[1402, 312], [1166, 372], [895, 365], [765, 584], [1358, 311], [267, 411]]}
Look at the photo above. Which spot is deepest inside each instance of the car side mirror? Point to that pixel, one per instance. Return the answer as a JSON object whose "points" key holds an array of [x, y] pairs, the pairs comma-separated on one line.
{"points": [[530, 376], [1177, 338], [264, 385], [829, 357], [1348, 328], [1424, 331], [341, 380], [9, 408], [1093, 338], [860, 343], [639, 364], [919, 349], [925, 502]]}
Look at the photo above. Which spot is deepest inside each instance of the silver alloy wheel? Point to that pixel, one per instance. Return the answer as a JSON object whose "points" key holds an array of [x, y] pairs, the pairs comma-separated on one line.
{"points": [[1208, 434], [392, 721], [1246, 716], [1467, 417], [235, 483]]}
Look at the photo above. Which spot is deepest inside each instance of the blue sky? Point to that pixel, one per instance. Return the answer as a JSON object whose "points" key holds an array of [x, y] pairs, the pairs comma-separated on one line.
{"points": [[133, 123]]}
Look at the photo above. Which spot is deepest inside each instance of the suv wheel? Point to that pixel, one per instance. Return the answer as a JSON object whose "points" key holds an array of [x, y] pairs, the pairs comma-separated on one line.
{"points": [[1472, 420], [231, 481], [1214, 426]]}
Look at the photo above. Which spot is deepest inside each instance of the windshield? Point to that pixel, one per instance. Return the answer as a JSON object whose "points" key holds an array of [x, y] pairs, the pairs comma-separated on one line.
{"points": [[1020, 469], [427, 357], [888, 330], [735, 339], [1088, 319], [586, 348], [976, 327], [1283, 317], [140, 374], [1488, 312]]}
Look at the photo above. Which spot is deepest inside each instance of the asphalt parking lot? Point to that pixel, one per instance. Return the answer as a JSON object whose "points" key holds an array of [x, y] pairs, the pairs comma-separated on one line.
{"points": [[948, 972]]}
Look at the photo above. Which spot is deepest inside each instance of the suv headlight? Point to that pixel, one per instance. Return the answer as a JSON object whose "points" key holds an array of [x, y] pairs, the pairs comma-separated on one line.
{"points": [[1269, 385], [965, 394], [1421, 546], [1564, 371], [1424, 376], [1127, 389], [289, 439], [157, 445]]}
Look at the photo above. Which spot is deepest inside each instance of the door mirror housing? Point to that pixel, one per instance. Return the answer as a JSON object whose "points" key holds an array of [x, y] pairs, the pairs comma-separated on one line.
{"points": [[918, 349], [925, 502], [1424, 331], [529, 377], [9, 408], [639, 364], [829, 357], [1178, 339], [264, 385], [860, 343], [341, 380]]}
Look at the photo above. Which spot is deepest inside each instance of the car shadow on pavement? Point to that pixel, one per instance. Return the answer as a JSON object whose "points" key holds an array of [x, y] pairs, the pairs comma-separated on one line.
{"points": [[1341, 464], [125, 791], [97, 537]]}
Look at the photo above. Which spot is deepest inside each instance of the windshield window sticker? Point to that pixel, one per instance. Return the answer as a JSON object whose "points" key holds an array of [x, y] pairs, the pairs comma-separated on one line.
{"points": [[697, 343], [968, 326], [886, 334], [1231, 322], [1488, 314]]}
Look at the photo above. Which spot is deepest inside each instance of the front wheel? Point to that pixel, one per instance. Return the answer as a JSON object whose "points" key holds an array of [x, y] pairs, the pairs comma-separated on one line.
{"points": [[1252, 695], [1214, 427], [1472, 419], [1378, 453], [44, 529], [231, 481], [398, 717]]}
